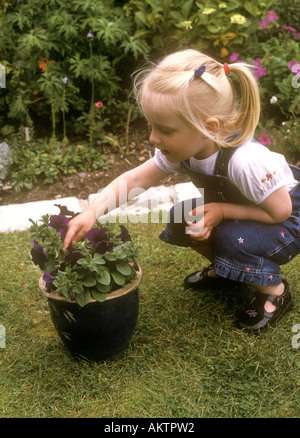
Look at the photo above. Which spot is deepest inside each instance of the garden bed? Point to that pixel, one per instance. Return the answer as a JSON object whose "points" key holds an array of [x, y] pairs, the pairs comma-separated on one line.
{"points": [[82, 184]]}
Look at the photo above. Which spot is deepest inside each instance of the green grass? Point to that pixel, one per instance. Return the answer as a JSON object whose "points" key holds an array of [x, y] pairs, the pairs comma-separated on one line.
{"points": [[186, 358]]}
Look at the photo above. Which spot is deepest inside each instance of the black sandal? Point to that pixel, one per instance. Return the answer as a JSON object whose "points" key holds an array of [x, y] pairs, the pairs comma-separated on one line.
{"points": [[256, 319], [200, 280]]}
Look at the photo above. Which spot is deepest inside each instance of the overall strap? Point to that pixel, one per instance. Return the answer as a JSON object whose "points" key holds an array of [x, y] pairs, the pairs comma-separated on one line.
{"points": [[222, 162]]}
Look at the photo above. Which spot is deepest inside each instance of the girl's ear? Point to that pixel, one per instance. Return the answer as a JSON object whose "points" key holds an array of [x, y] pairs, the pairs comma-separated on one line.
{"points": [[212, 125]]}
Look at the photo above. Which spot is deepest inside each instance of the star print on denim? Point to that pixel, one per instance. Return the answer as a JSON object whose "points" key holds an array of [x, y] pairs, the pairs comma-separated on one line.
{"points": [[241, 240], [282, 233], [247, 269]]}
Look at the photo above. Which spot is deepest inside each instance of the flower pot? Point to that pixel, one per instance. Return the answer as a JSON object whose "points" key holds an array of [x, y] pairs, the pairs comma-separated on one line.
{"points": [[97, 331]]}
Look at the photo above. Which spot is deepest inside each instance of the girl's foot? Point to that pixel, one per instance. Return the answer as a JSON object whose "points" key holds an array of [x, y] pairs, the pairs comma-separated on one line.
{"points": [[256, 318], [207, 279]]}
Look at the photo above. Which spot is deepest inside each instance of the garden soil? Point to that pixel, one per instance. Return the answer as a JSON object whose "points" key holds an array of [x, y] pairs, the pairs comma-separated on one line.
{"points": [[137, 150]]}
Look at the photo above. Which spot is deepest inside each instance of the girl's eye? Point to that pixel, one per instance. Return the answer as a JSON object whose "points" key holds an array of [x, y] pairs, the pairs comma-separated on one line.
{"points": [[166, 131]]}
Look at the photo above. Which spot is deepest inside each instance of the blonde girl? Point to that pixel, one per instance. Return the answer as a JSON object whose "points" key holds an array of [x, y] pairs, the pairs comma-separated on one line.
{"points": [[248, 223]]}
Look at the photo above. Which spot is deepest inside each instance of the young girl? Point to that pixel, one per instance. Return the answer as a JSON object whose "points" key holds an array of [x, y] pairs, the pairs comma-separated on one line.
{"points": [[249, 221]]}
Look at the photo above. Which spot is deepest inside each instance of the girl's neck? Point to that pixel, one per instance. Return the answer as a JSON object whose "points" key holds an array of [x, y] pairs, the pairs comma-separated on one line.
{"points": [[208, 148]]}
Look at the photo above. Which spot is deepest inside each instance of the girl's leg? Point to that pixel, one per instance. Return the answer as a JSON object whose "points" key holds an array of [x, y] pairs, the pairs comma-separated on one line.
{"points": [[252, 253]]}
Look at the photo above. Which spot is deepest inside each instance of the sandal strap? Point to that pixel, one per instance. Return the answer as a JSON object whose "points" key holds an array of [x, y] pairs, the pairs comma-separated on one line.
{"points": [[279, 300]]}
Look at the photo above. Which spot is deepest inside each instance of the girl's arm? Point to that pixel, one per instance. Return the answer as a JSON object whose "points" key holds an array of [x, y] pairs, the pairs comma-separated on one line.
{"points": [[115, 194], [275, 209]]}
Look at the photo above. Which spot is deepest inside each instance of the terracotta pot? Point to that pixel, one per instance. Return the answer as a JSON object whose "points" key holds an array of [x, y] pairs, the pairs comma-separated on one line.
{"points": [[97, 331]]}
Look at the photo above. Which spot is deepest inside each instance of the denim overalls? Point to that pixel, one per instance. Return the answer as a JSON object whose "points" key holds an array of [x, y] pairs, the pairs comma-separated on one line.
{"points": [[244, 251]]}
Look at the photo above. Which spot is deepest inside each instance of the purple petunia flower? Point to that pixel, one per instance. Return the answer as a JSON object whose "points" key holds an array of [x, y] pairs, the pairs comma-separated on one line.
{"points": [[99, 239], [73, 255], [48, 279], [125, 236], [59, 223], [38, 255]]}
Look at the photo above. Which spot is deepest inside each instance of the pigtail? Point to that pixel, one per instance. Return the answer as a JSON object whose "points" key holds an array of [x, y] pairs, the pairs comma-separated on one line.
{"points": [[246, 116]]}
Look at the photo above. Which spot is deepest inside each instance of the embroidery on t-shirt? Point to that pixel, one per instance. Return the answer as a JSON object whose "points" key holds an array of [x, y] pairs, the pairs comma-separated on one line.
{"points": [[268, 177]]}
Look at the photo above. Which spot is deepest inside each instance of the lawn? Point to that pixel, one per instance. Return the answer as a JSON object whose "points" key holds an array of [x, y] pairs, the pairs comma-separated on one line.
{"points": [[186, 358]]}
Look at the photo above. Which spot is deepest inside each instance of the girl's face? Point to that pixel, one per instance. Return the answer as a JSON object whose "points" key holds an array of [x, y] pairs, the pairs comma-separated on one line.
{"points": [[177, 140]]}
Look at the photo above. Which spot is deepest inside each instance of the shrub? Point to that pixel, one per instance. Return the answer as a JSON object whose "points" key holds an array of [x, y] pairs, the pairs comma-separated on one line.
{"points": [[87, 42], [46, 161]]}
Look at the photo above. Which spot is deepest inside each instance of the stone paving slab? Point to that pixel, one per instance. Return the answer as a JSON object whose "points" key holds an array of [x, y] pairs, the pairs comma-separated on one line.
{"points": [[156, 199]]}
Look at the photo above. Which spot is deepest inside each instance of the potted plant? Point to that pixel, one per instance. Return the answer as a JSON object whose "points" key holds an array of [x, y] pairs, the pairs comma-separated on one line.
{"points": [[92, 287]]}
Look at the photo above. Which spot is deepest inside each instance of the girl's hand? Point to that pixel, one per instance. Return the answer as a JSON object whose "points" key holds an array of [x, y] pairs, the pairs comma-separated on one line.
{"points": [[212, 217], [79, 226]]}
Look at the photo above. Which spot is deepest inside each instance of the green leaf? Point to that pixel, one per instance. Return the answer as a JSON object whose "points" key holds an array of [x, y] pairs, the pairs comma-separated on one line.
{"points": [[99, 296], [89, 282], [110, 257], [84, 298], [78, 288], [251, 8], [123, 268], [118, 278], [82, 261], [103, 288], [98, 259], [103, 277]]}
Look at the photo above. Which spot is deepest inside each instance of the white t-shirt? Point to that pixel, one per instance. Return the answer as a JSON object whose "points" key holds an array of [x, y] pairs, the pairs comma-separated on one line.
{"points": [[253, 168]]}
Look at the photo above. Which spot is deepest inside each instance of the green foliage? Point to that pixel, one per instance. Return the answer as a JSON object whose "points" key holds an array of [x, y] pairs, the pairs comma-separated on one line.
{"points": [[49, 41], [46, 161], [209, 26], [63, 57], [276, 48], [286, 140]]}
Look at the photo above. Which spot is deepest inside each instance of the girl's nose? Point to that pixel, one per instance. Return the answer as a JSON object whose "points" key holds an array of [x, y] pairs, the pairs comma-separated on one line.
{"points": [[154, 138]]}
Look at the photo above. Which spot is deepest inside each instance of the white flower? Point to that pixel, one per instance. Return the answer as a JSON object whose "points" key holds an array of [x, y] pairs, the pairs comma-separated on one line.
{"points": [[238, 19], [222, 5], [186, 24], [208, 11], [273, 99]]}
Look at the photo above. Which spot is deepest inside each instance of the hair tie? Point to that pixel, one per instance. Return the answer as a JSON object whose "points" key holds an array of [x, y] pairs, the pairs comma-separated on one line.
{"points": [[226, 68], [199, 72]]}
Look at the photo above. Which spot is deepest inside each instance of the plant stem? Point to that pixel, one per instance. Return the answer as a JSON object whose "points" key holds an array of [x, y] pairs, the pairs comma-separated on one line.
{"points": [[92, 109]]}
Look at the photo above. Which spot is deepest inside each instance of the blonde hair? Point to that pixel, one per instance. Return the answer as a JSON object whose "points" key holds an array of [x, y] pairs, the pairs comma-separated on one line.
{"points": [[173, 84]]}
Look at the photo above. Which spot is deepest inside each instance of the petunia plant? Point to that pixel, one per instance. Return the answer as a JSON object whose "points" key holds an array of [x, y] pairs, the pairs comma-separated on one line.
{"points": [[103, 261]]}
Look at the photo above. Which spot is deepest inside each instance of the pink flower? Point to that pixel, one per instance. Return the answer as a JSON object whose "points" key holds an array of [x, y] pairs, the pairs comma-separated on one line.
{"points": [[264, 139], [271, 16], [260, 72], [263, 23], [99, 104], [234, 56], [289, 28], [295, 67], [291, 64]]}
